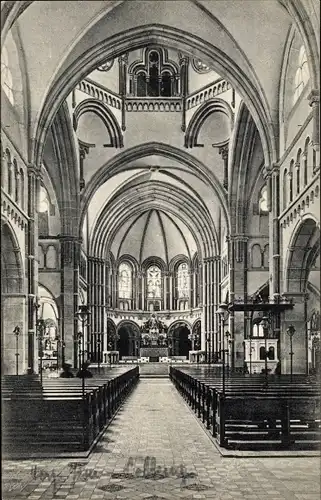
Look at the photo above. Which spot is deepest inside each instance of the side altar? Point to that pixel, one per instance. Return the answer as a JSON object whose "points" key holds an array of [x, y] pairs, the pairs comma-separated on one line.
{"points": [[154, 341]]}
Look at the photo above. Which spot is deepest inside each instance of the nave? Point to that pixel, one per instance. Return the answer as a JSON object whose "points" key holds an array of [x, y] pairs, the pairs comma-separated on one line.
{"points": [[156, 431]]}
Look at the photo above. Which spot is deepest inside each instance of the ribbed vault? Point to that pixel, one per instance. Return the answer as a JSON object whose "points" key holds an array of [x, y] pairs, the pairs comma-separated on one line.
{"points": [[172, 209], [126, 161]]}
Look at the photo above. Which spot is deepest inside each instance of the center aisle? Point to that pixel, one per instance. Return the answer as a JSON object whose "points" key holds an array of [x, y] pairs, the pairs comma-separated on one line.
{"points": [[156, 449]]}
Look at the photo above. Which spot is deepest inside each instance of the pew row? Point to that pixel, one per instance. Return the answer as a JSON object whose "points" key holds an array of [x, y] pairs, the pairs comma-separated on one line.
{"points": [[57, 418], [247, 415]]}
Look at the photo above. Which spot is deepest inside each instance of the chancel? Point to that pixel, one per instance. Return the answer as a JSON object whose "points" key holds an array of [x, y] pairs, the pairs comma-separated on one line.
{"points": [[160, 233]]}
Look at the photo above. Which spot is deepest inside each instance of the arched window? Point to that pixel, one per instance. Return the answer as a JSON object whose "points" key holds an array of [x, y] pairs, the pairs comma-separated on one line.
{"points": [[125, 280], [285, 189], [43, 212], [291, 181], [166, 84], [154, 282], [6, 76], [298, 171], [263, 202], [183, 283], [16, 180], [22, 189], [302, 74], [9, 170], [305, 161], [141, 85], [154, 75], [3, 168]]}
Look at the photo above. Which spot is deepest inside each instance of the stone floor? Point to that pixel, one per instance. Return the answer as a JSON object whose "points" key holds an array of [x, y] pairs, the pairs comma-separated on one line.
{"points": [[156, 449]]}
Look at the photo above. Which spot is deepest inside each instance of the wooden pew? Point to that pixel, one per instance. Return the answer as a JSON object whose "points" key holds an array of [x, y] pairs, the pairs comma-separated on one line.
{"points": [[283, 412], [60, 417]]}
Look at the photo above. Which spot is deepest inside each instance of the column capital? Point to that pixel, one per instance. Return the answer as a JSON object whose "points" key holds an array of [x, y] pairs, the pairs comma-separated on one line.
{"points": [[268, 170], [35, 171], [84, 148], [238, 237], [223, 149], [314, 97], [123, 58]]}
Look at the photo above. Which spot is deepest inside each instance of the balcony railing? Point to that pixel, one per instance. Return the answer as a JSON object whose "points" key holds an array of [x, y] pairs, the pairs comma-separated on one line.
{"points": [[207, 92], [154, 104], [100, 92]]}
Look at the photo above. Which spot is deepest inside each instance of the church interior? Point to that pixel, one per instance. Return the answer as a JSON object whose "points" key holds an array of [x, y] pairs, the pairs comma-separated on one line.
{"points": [[160, 223]]}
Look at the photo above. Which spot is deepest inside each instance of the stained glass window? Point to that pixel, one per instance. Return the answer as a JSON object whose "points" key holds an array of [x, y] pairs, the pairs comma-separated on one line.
{"points": [[125, 281], [302, 74], [154, 282], [183, 281]]}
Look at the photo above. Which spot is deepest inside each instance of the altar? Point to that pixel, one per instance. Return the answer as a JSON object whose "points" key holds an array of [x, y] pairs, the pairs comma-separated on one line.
{"points": [[154, 342]]}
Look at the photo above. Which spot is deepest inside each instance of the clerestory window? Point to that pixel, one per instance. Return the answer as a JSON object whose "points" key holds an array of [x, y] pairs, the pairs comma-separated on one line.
{"points": [[125, 277], [302, 74]]}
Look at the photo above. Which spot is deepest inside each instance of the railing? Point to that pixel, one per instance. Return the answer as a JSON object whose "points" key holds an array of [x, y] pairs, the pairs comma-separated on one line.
{"points": [[153, 104], [161, 315], [207, 92], [158, 104], [100, 92]]}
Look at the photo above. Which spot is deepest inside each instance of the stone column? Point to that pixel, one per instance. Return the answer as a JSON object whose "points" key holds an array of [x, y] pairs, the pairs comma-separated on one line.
{"points": [[297, 318], [205, 308], [184, 88], [314, 102], [34, 178], [212, 317], [123, 61], [167, 301], [272, 175], [223, 151], [70, 256], [84, 148], [217, 301]]}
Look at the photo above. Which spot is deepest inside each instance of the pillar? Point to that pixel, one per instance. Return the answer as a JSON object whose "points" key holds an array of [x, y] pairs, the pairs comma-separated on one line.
{"points": [[297, 318], [238, 289], [217, 301], [314, 101], [123, 61], [223, 151], [70, 259], [34, 178], [272, 176], [184, 88]]}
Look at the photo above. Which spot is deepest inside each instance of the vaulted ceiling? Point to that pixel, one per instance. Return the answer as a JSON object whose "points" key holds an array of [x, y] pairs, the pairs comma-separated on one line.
{"points": [[241, 40]]}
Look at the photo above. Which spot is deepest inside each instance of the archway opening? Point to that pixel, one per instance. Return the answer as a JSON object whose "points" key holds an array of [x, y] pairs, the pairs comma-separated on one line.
{"points": [[181, 343], [14, 348], [128, 340]]}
